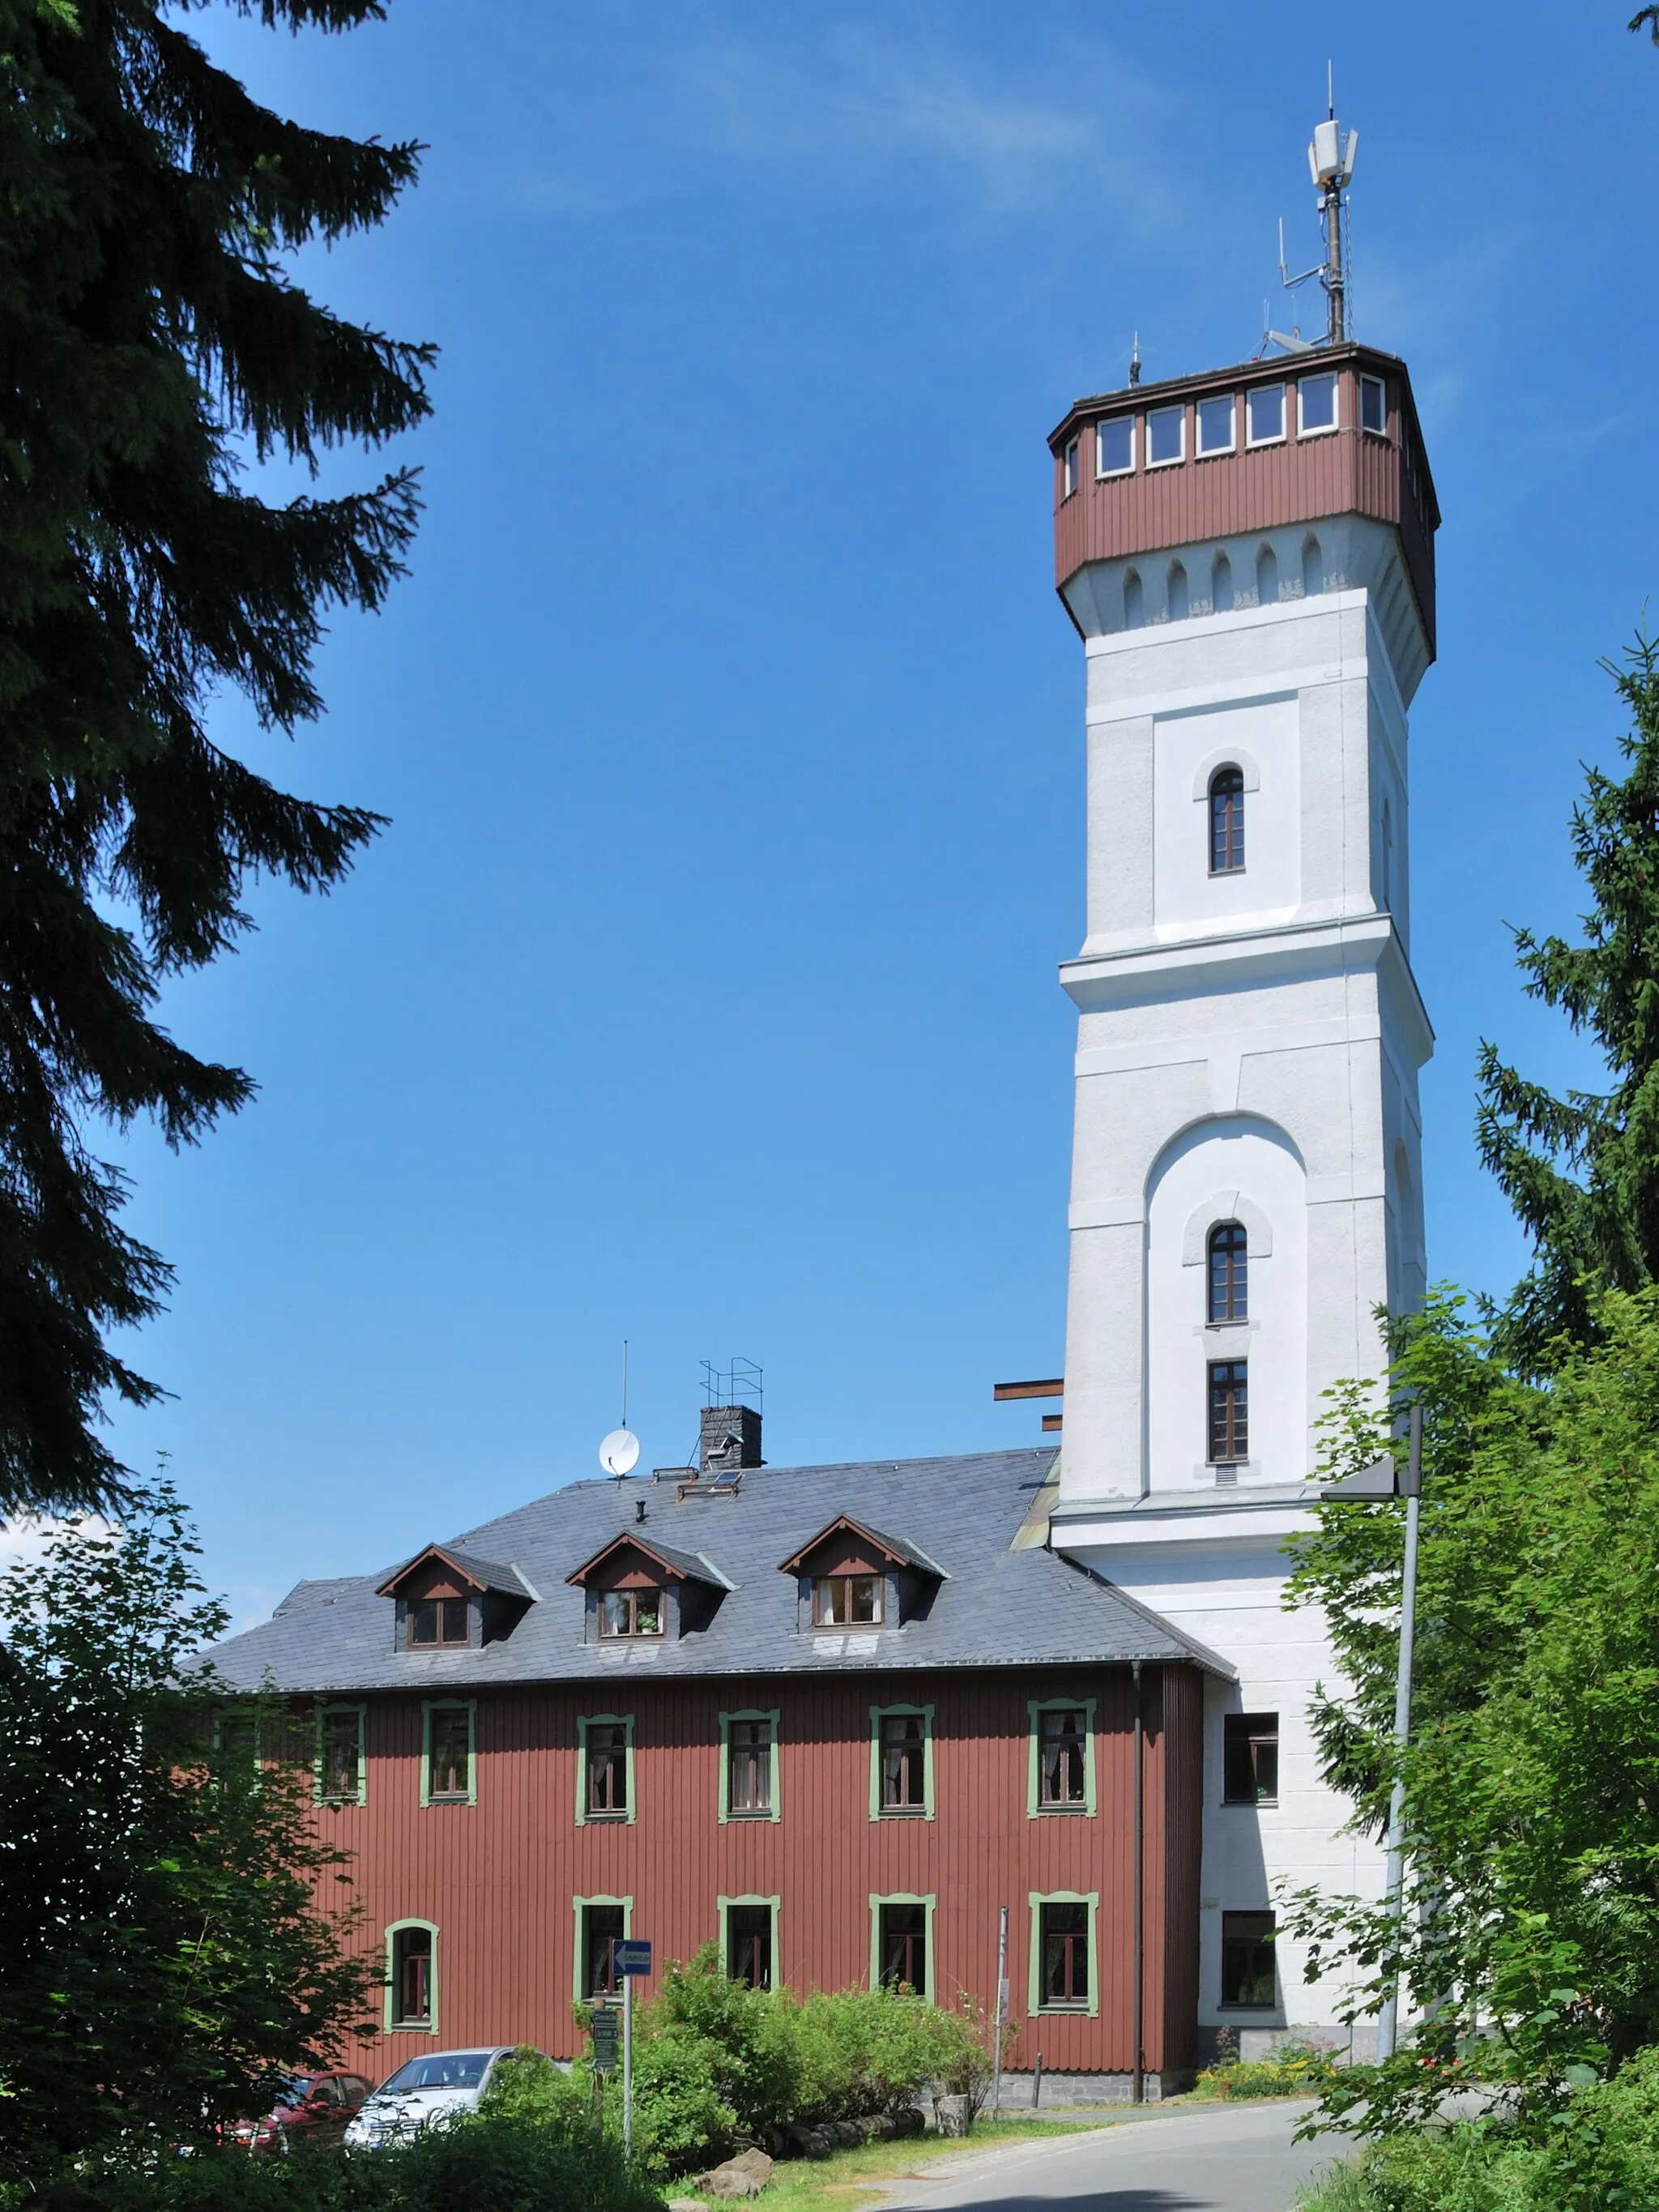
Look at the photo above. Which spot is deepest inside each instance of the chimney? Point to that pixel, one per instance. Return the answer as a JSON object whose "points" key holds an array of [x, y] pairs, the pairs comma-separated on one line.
{"points": [[729, 1438]]}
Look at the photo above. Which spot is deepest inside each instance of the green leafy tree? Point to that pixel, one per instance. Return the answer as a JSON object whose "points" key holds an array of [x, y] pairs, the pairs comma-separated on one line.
{"points": [[1532, 1779], [173, 1935], [1582, 1171], [155, 343]]}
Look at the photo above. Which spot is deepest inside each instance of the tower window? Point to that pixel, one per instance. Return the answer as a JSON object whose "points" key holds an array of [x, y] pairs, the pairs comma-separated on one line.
{"points": [[1264, 413], [1229, 1273], [1166, 436], [1226, 821], [1248, 1977], [1230, 1425], [1068, 471], [1374, 406], [1215, 426], [1114, 446], [1316, 404], [1249, 1759]]}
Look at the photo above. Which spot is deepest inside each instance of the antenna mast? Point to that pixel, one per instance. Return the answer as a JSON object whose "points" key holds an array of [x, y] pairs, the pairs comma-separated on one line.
{"points": [[1330, 164]]}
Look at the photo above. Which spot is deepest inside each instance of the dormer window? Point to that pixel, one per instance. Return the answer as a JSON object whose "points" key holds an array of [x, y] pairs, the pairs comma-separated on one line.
{"points": [[847, 1601], [450, 1600], [631, 1613], [637, 1590], [435, 1621], [851, 1576]]}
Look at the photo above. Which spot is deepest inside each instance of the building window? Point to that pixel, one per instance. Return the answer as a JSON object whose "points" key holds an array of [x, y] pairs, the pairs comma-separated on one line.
{"points": [[340, 1772], [1216, 419], [437, 1622], [448, 1773], [1264, 415], [902, 1927], [1230, 1430], [1068, 471], [902, 1744], [1316, 404], [1226, 822], [1166, 436], [1246, 1960], [601, 1922], [604, 1768], [630, 1612], [1062, 1778], [749, 1927], [1249, 1759], [1114, 446], [1374, 406], [847, 1601], [1063, 1962], [411, 1977], [746, 1780], [1229, 1271]]}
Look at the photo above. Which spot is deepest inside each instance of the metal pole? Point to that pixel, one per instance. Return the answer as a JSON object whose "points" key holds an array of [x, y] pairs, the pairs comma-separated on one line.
{"points": [[1336, 282], [628, 2065], [999, 2020], [1387, 2025], [1138, 2089]]}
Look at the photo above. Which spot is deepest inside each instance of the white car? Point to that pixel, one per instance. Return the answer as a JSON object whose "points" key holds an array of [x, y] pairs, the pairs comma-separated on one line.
{"points": [[427, 2092]]}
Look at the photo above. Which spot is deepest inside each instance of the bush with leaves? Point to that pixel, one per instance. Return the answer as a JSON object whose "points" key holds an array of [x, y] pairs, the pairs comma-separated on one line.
{"points": [[163, 1960]]}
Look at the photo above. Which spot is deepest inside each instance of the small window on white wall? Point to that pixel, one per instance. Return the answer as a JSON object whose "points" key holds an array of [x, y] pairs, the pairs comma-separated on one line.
{"points": [[1226, 821], [1229, 1273]]}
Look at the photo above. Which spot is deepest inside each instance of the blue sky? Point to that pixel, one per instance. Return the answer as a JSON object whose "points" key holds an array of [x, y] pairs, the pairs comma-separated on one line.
{"points": [[702, 991]]}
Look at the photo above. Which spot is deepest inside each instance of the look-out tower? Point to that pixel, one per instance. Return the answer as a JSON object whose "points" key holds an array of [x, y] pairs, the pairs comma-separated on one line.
{"points": [[1248, 557]]}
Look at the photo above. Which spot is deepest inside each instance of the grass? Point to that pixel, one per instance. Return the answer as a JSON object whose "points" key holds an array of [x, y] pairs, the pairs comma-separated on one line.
{"points": [[836, 2183]]}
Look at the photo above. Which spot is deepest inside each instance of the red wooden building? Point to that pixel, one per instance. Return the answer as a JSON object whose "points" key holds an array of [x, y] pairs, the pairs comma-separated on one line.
{"points": [[831, 1718]]}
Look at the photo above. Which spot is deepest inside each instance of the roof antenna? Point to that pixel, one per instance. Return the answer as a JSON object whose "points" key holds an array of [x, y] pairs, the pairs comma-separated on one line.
{"points": [[621, 1447], [1330, 164], [1135, 360]]}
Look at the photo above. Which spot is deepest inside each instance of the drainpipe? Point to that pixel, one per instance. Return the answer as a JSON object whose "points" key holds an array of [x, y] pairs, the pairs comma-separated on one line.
{"points": [[1139, 2089]]}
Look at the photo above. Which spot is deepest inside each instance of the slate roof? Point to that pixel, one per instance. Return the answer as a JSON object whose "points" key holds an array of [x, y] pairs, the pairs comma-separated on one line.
{"points": [[999, 1607]]}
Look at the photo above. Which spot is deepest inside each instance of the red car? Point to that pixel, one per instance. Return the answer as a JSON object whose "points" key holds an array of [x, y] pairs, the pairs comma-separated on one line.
{"points": [[313, 2108]]}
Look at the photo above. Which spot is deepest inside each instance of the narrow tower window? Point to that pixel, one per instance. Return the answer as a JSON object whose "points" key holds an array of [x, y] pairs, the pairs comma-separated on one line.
{"points": [[1134, 601], [1221, 585], [1230, 1277], [1179, 600], [1266, 577], [1226, 821], [1068, 471], [1229, 1429], [1313, 568]]}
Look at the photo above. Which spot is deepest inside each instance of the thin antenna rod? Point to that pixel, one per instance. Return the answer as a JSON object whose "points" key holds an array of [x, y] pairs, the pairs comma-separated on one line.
{"points": [[1330, 90], [624, 1418]]}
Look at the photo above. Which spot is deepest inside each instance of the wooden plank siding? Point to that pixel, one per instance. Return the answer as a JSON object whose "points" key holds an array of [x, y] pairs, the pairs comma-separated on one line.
{"points": [[1343, 472], [498, 1877]]}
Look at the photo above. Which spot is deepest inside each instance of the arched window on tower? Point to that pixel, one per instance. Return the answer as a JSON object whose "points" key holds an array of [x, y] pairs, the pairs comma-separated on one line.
{"points": [[1229, 1273], [1226, 821]]}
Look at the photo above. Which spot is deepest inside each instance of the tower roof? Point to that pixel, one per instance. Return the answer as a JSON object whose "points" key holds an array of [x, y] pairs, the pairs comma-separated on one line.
{"points": [[1256, 446]]}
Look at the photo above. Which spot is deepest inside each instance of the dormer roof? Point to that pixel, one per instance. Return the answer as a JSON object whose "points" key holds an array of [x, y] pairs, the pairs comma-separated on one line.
{"points": [[472, 1572], [889, 1551], [675, 1567]]}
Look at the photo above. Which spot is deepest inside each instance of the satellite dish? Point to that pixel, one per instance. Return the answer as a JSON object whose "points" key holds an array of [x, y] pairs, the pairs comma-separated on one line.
{"points": [[618, 1451]]}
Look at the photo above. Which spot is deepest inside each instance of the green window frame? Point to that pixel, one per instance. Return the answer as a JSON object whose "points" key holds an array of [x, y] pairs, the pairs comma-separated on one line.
{"points": [[393, 2026], [929, 1899], [1035, 1807], [320, 1795], [1038, 1898], [723, 1905], [470, 1707], [626, 1818], [580, 1905], [925, 1810], [775, 1810]]}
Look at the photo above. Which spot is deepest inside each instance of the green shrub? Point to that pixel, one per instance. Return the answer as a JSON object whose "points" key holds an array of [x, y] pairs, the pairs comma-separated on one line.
{"points": [[1295, 2069], [529, 2087]]}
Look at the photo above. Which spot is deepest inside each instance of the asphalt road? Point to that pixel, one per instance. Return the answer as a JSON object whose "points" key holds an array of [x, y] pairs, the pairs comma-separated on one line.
{"points": [[1215, 2158]]}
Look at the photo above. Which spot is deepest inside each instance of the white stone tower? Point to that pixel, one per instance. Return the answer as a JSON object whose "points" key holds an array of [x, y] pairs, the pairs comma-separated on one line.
{"points": [[1248, 557]]}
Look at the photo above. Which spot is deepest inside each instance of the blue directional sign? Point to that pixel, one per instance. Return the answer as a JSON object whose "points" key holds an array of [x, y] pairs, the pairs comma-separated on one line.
{"points": [[631, 1955]]}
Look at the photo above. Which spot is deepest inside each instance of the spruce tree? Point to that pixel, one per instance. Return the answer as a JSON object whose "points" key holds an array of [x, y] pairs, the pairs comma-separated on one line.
{"points": [[1582, 1171], [156, 346]]}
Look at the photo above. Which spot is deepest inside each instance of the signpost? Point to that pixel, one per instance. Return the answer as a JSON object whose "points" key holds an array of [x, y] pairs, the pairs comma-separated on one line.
{"points": [[629, 1955], [603, 2027], [999, 2023]]}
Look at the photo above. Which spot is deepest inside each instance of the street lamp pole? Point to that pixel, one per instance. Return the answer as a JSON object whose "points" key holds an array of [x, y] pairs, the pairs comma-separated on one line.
{"points": [[1383, 1480]]}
